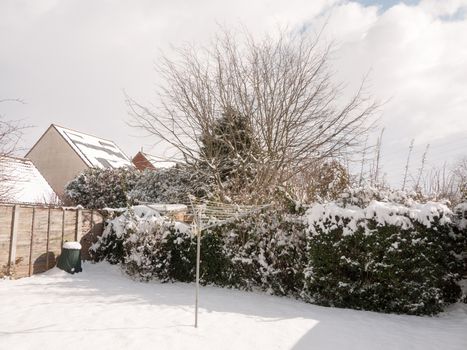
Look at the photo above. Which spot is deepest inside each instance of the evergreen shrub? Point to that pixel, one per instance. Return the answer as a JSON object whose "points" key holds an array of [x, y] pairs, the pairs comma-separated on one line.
{"points": [[386, 261], [102, 188], [378, 255]]}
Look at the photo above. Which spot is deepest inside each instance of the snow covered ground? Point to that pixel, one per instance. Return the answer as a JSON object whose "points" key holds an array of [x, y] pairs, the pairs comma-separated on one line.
{"points": [[103, 309]]}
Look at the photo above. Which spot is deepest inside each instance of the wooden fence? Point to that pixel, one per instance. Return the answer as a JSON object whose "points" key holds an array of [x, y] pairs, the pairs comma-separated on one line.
{"points": [[31, 237]]}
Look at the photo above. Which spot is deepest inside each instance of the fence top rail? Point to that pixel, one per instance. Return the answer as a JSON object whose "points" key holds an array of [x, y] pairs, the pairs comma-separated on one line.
{"points": [[41, 206]]}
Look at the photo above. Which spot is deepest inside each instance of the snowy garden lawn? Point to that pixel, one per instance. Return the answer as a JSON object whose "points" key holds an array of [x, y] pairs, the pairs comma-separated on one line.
{"points": [[103, 309]]}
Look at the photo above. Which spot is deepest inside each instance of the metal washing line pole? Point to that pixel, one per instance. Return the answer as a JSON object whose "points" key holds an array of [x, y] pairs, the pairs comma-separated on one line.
{"points": [[228, 212]]}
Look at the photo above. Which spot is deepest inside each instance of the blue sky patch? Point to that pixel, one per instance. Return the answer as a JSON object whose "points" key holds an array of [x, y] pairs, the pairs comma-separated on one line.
{"points": [[385, 4]]}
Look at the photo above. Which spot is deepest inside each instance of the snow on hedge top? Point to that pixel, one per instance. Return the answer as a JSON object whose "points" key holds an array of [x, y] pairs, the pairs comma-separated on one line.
{"points": [[21, 182], [94, 151], [384, 213], [139, 218]]}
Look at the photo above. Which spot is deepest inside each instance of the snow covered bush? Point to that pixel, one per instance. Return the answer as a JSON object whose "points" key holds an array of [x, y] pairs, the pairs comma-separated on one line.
{"points": [[101, 188], [460, 220], [266, 251], [389, 255], [122, 187], [147, 245], [383, 256], [363, 196], [171, 185], [263, 251], [461, 216]]}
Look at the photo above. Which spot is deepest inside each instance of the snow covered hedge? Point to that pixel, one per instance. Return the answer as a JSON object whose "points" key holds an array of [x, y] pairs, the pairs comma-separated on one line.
{"points": [[121, 187], [101, 188], [169, 186], [241, 254], [366, 254], [383, 257]]}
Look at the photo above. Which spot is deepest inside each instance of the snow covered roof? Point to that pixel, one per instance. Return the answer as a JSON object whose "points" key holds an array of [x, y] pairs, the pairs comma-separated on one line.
{"points": [[94, 151], [157, 162], [21, 182]]}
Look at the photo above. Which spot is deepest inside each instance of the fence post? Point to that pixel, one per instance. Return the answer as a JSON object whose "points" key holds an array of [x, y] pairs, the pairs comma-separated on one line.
{"points": [[63, 228], [13, 238], [78, 224], [32, 241], [47, 244]]}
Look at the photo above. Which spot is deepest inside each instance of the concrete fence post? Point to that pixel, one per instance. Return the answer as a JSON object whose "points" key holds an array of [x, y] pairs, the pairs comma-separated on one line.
{"points": [[31, 243], [48, 242], [13, 239], [63, 228]]}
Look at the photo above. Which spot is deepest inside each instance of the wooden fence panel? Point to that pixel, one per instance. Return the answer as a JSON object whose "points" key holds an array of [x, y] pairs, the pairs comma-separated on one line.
{"points": [[23, 241], [6, 216], [70, 226], [31, 237], [85, 236], [39, 254], [55, 236]]}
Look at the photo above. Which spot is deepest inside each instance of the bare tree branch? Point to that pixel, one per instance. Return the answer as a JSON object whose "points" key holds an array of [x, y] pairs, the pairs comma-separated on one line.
{"points": [[282, 85], [11, 132]]}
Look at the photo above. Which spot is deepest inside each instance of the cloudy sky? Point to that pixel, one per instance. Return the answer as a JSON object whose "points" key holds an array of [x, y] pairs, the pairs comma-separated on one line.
{"points": [[72, 60]]}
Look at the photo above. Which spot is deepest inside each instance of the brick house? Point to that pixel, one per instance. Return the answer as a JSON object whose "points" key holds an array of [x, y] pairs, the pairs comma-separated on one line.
{"points": [[143, 161]]}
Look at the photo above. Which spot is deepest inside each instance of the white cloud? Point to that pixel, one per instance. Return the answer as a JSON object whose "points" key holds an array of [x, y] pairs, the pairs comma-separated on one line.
{"points": [[416, 59], [444, 7], [70, 60]]}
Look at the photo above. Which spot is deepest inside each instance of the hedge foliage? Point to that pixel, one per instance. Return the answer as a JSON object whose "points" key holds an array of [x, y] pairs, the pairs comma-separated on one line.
{"points": [[122, 187], [101, 188], [402, 260], [240, 254], [411, 271]]}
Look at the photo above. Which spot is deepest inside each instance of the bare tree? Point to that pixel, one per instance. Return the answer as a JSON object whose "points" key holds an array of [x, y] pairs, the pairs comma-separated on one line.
{"points": [[326, 180], [11, 132], [281, 87], [363, 162], [447, 182], [460, 174], [439, 183], [406, 170], [417, 187], [378, 148]]}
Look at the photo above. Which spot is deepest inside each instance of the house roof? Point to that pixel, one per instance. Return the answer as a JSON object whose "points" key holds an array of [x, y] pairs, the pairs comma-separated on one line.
{"points": [[21, 182], [157, 162], [94, 151]]}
